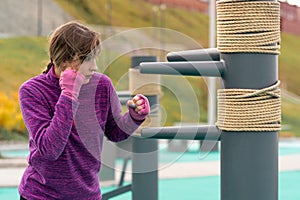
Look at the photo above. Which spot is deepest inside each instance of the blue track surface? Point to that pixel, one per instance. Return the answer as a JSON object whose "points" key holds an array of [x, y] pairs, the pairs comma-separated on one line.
{"points": [[206, 188]]}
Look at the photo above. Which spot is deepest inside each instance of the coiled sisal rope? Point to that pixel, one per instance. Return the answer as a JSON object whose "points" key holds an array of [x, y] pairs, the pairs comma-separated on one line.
{"points": [[248, 26], [249, 110]]}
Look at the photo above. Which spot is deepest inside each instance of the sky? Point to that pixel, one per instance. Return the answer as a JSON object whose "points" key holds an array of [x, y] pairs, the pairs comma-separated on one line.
{"points": [[293, 2]]}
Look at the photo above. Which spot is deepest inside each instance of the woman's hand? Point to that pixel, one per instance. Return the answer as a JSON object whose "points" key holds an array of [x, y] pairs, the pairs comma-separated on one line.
{"points": [[70, 82], [138, 107]]}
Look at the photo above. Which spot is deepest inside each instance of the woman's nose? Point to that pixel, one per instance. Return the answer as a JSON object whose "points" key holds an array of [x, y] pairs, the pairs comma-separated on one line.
{"points": [[94, 67]]}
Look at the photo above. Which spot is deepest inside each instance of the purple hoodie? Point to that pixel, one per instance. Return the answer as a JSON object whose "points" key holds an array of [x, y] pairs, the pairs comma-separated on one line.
{"points": [[65, 137]]}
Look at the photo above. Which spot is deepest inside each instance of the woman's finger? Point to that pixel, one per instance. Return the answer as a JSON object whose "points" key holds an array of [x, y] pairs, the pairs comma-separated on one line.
{"points": [[138, 108], [135, 98], [139, 102], [131, 104]]}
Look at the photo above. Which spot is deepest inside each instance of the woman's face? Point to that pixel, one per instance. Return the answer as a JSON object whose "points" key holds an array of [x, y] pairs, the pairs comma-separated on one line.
{"points": [[86, 68]]}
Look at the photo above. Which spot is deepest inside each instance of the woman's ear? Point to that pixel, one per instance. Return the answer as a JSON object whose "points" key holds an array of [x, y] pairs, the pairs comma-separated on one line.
{"points": [[62, 67]]}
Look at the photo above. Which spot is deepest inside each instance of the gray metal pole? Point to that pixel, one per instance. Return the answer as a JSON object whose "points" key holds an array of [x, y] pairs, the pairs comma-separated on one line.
{"points": [[40, 18], [212, 80], [107, 172], [145, 154], [202, 132], [249, 160], [193, 68], [210, 54]]}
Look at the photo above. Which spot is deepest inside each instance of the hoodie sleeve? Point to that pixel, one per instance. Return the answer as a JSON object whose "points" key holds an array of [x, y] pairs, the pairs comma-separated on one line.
{"points": [[118, 127], [48, 132]]}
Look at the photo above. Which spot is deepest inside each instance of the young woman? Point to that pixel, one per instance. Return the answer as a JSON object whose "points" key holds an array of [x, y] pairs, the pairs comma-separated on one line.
{"points": [[68, 110]]}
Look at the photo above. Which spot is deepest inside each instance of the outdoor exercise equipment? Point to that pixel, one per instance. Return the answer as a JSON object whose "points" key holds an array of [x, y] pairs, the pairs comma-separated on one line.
{"points": [[248, 34], [144, 168], [249, 113]]}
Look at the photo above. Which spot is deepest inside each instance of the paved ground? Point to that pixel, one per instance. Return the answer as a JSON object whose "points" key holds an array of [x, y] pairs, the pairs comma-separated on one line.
{"points": [[11, 170]]}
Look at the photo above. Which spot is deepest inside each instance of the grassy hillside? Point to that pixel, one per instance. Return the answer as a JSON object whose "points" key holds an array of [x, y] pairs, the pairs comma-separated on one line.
{"points": [[24, 57], [290, 117], [195, 25], [20, 59], [289, 62], [139, 13]]}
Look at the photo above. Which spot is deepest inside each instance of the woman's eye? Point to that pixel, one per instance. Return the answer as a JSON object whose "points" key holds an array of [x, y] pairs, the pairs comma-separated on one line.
{"points": [[89, 59]]}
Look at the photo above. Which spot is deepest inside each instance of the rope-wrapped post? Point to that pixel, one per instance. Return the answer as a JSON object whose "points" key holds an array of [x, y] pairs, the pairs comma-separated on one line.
{"points": [[145, 151], [248, 36]]}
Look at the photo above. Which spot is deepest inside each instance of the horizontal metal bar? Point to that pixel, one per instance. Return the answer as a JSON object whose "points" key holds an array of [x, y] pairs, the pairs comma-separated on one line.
{"points": [[124, 93], [124, 100], [124, 96], [210, 54], [201, 132], [117, 192], [194, 68]]}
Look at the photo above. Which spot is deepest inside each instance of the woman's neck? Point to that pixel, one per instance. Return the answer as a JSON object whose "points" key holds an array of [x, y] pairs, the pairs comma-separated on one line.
{"points": [[56, 71]]}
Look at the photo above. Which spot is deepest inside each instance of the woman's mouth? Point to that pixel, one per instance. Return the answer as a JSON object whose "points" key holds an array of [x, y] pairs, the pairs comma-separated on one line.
{"points": [[88, 76]]}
